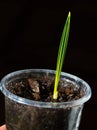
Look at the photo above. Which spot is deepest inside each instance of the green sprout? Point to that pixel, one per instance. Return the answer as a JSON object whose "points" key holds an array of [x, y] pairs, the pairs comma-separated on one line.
{"points": [[61, 54]]}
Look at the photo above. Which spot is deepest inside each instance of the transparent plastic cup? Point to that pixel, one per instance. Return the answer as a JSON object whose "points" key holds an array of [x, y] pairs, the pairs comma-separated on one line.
{"points": [[25, 114]]}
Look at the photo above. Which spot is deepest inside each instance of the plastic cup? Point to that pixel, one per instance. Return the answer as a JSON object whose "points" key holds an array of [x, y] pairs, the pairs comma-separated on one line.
{"points": [[25, 114]]}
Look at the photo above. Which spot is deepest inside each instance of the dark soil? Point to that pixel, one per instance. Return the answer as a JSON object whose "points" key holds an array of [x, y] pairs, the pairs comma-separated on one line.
{"points": [[41, 89], [25, 117]]}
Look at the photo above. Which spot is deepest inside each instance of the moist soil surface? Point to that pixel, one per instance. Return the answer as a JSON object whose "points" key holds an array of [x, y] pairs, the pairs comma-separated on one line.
{"points": [[41, 89]]}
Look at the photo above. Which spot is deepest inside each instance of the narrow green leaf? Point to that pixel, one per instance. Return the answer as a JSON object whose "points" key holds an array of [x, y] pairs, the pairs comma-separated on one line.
{"points": [[61, 54]]}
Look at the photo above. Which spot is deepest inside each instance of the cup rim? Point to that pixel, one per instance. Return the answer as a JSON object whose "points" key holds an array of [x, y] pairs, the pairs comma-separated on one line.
{"points": [[29, 102]]}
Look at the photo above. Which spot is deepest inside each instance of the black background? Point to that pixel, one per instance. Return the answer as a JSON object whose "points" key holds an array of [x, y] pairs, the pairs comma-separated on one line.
{"points": [[30, 33]]}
